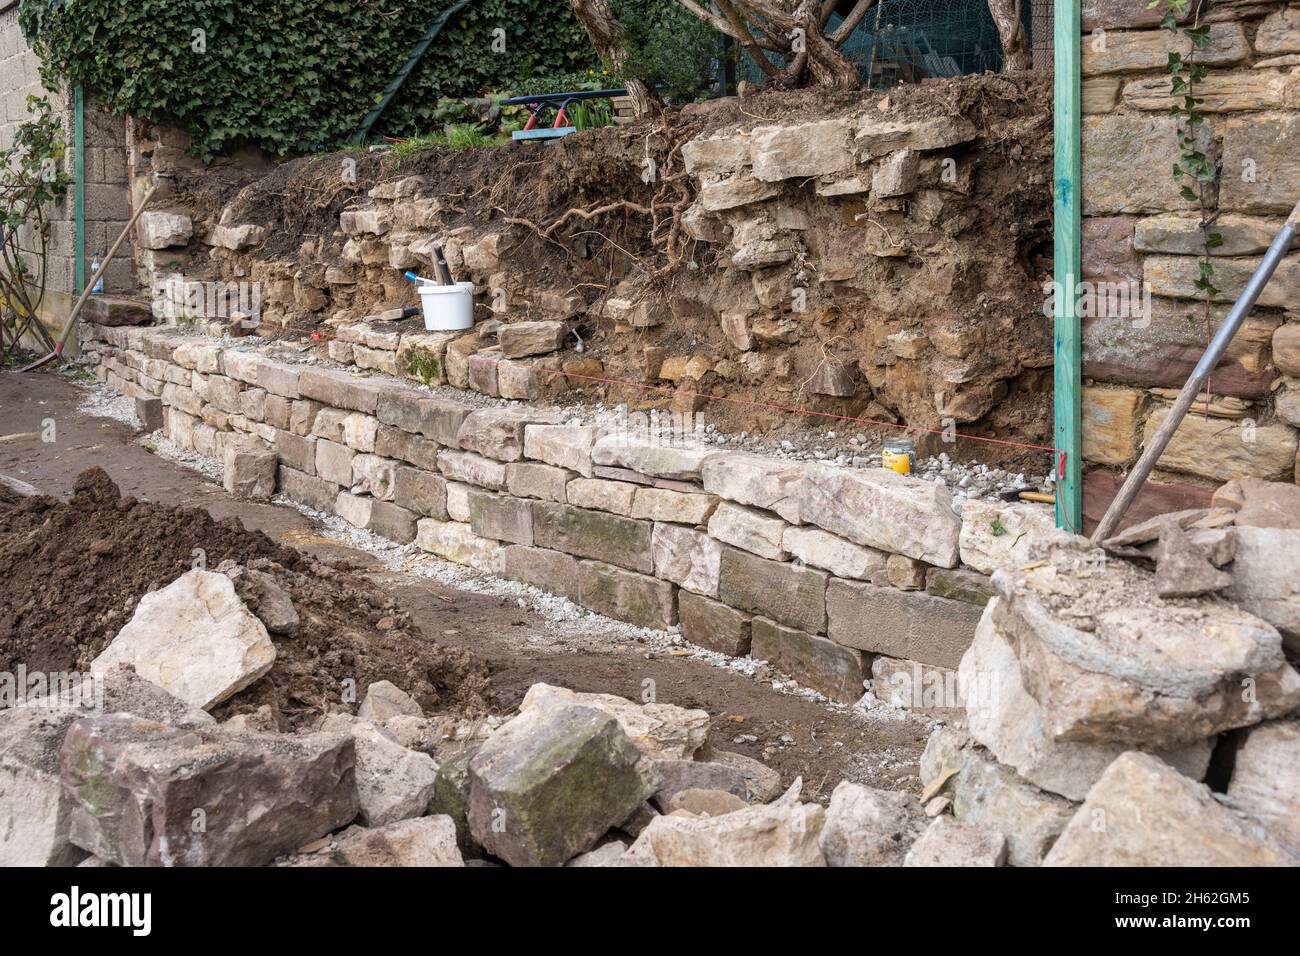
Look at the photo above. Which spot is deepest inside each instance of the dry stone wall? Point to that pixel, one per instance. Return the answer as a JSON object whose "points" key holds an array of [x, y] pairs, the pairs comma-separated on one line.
{"points": [[1139, 229], [831, 574]]}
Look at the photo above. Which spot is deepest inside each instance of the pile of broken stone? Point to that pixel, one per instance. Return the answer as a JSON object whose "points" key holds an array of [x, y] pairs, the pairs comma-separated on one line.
{"points": [[1094, 706]]}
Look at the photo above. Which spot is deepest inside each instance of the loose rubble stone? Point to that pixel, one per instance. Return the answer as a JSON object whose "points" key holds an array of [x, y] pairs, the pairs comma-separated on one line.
{"points": [[607, 854], [869, 827], [137, 783], [881, 509], [1266, 778], [383, 700], [701, 802], [912, 685], [1266, 579], [1107, 666], [1003, 717], [763, 782], [713, 625], [420, 842], [163, 230], [195, 639], [767, 835], [264, 597], [679, 775], [549, 783], [1142, 812], [748, 529], [393, 783], [661, 731], [1182, 568], [949, 842], [986, 793]]}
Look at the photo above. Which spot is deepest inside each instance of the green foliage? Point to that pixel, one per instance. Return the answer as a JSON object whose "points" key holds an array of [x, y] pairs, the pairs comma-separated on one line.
{"points": [[668, 46], [294, 75], [424, 365]]}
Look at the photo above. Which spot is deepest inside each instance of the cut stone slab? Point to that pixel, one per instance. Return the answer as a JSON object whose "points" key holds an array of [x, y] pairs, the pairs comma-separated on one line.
{"points": [[195, 639], [912, 685], [986, 793], [1109, 665], [465, 466], [650, 457], [661, 731], [594, 534], [949, 842], [713, 625], [501, 517], [551, 571], [819, 663], [882, 509], [384, 699], [1142, 812], [626, 595], [786, 593], [565, 446], [996, 534], [249, 469], [827, 551], [601, 495], [457, 542], [549, 783], [689, 558], [1003, 717], [137, 784], [1266, 579], [750, 530], [911, 625], [498, 433], [665, 504], [869, 827], [393, 783], [767, 835], [755, 480], [518, 339], [1266, 778]]}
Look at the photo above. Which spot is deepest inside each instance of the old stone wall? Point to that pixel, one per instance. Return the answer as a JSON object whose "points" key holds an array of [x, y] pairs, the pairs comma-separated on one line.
{"points": [[1139, 229], [832, 574]]}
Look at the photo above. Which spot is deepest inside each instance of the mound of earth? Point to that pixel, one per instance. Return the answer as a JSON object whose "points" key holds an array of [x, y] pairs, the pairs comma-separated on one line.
{"points": [[74, 571]]}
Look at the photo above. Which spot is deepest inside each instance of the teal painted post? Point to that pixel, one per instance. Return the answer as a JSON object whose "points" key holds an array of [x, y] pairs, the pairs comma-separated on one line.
{"points": [[1066, 219]]}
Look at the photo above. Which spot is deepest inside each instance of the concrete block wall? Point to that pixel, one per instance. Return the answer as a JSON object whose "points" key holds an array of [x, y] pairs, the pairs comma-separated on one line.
{"points": [[1138, 229], [830, 574]]}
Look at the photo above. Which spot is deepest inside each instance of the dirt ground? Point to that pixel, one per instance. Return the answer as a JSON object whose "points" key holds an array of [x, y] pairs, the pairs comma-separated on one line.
{"points": [[794, 735]]}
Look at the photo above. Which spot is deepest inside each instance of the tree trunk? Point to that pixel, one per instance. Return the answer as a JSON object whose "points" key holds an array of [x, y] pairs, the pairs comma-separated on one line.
{"points": [[610, 40], [1015, 50]]}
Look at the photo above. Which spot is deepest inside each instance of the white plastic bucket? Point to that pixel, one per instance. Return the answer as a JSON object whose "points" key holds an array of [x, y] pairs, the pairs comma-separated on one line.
{"points": [[447, 307]]}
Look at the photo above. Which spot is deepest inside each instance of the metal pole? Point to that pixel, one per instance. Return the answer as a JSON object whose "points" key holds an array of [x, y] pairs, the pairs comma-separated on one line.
{"points": [[1240, 309]]}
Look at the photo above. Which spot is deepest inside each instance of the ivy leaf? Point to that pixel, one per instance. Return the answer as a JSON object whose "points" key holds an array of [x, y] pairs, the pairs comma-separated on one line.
{"points": [[1214, 240], [1189, 194]]}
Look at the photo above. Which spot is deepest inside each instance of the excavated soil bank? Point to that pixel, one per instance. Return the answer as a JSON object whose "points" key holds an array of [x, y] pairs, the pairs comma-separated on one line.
{"points": [[74, 572]]}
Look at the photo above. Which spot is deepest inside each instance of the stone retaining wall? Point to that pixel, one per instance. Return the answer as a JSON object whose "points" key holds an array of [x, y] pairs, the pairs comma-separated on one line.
{"points": [[828, 573], [1138, 228]]}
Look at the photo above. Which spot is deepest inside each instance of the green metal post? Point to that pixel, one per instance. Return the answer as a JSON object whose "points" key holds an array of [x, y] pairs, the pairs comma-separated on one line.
{"points": [[1066, 219], [79, 188]]}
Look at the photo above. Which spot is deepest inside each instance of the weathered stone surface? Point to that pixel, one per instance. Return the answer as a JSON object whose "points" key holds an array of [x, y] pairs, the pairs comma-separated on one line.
{"points": [[374, 475], [1181, 235], [249, 468], [549, 783], [1112, 182], [565, 446], [1149, 49], [720, 154], [195, 639], [527, 479], [593, 534], [1183, 568], [421, 492], [997, 534], [665, 504], [764, 783], [869, 827], [1003, 717], [1211, 449], [1266, 579], [1279, 32], [912, 685], [686, 557], [163, 230], [1219, 92], [392, 522], [313, 492], [334, 462], [959, 584], [263, 596], [626, 596], [906, 574], [772, 835], [703, 802], [661, 731], [499, 432], [877, 136], [393, 783], [915, 626], [1151, 815], [136, 785], [949, 842], [34, 810], [501, 517], [1286, 348], [838, 672], [518, 339], [1140, 674], [650, 456], [354, 509], [420, 842], [676, 776], [296, 451], [339, 389], [1176, 276], [881, 509], [788, 594], [458, 501], [471, 468], [821, 549], [804, 149], [750, 530], [383, 700], [713, 625], [1112, 419], [601, 494], [551, 571], [988, 794], [455, 541], [1266, 778]]}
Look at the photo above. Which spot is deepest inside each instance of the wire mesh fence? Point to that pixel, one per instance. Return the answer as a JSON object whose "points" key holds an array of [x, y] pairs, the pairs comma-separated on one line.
{"points": [[905, 41]]}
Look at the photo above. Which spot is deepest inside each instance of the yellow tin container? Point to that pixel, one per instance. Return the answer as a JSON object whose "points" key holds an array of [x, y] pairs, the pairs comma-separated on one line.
{"points": [[898, 454]]}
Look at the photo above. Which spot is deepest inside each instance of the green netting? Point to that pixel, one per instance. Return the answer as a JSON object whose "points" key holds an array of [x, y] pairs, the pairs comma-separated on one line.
{"points": [[909, 40]]}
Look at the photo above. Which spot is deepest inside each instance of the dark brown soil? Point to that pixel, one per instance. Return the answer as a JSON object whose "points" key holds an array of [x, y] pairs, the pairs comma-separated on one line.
{"points": [[74, 572]]}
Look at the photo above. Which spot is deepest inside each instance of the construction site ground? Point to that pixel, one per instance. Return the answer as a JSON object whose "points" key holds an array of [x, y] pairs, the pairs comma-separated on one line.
{"points": [[793, 734]]}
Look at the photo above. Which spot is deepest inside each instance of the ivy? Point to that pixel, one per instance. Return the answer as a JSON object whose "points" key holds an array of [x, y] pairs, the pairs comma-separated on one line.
{"points": [[294, 76]]}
